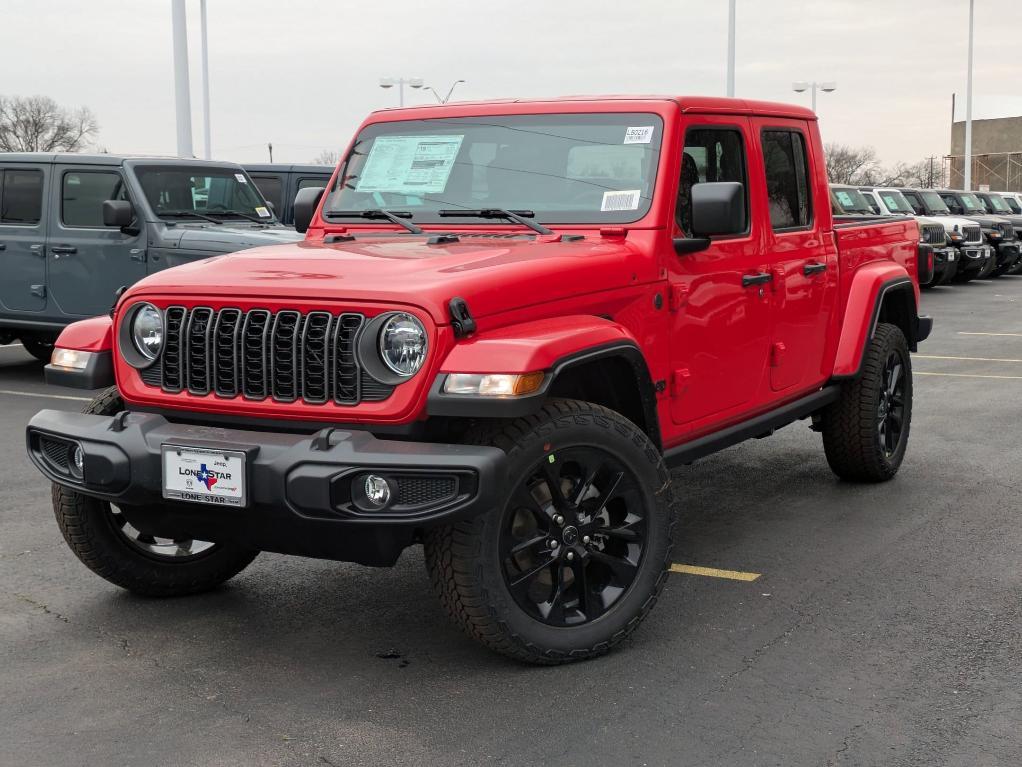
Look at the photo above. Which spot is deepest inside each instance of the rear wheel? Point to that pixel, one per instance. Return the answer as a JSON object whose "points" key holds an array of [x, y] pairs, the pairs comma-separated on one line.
{"points": [[865, 433], [101, 536], [578, 554]]}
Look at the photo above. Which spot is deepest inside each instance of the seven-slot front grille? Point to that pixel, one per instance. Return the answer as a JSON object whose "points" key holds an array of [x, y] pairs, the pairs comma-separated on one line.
{"points": [[973, 235], [933, 234], [286, 355], [1007, 230]]}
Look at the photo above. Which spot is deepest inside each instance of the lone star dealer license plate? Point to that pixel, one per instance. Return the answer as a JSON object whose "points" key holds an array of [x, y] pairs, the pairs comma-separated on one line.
{"points": [[203, 475]]}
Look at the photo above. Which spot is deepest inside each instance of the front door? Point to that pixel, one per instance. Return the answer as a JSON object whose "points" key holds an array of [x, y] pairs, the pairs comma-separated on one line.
{"points": [[88, 262], [804, 261], [720, 296], [22, 238]]}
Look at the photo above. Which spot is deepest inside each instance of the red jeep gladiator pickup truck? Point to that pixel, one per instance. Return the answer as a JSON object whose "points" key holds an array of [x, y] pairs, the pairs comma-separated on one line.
{"points": [[505, 324]]}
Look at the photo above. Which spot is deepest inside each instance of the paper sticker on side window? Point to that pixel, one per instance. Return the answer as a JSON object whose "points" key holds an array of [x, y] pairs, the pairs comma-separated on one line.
{"points": [[626, 200], [409, 164], [640, 135]]}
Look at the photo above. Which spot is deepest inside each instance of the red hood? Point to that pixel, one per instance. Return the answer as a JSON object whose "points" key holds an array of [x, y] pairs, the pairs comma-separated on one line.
{"points": [[493, 275]]}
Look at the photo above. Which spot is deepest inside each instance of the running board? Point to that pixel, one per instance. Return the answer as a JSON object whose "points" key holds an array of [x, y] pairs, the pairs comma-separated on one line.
{"points": [[761, 425]]}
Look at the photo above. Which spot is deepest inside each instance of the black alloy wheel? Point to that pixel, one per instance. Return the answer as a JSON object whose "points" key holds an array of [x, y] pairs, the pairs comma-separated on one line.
{"points": [[573, 536], [891, 408]]}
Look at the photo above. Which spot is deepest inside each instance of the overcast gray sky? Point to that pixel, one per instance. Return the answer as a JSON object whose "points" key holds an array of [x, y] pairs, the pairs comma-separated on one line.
{"points": [[304, 73]]}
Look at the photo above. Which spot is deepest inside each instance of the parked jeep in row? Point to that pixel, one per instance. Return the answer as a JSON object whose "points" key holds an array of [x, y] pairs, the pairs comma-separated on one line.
{"points": [[976, 258], [280, 182], [507, 322], [998, 230], [75, 228]]}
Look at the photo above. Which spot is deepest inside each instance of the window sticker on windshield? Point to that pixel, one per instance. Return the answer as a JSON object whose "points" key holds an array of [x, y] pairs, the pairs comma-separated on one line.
{"points": [[262, 212], [409, 164], [241, 178], [626, 200], [640, 135]]}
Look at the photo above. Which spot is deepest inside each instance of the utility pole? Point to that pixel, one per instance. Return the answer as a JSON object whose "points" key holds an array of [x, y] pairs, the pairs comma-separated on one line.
{"points": [[182, 94], [205, 81], [731, 49], [269, 146], [968, 105]]}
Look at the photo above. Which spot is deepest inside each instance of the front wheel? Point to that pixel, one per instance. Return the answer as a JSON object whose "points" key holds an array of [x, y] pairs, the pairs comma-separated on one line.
{"points": [[101, 536], [865, 433], [577, 555], [41, 350]]}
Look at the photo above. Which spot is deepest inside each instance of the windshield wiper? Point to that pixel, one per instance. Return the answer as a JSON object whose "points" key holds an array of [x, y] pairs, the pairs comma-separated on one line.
{"points": [[394, 216], [189, 213], [238, 213], [518, 216]]}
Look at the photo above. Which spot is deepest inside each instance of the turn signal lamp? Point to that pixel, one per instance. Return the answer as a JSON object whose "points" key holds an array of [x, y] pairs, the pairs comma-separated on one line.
{"points": [[494, 384]]}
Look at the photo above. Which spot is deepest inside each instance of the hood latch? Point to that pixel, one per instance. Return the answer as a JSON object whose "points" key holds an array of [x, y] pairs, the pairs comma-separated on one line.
{"points": [[461, 318]]}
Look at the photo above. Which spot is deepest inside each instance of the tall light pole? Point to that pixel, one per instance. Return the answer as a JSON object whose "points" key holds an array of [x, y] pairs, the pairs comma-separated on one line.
{"points": [[802, 86], [968, 107], [182, 95], [205, 81], [731, 49], [400, 82], [444, 99]]}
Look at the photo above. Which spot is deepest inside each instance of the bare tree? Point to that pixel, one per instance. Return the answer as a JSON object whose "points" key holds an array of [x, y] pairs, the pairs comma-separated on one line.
{"points": [[40, 124], [326, 157], [852, 165]]}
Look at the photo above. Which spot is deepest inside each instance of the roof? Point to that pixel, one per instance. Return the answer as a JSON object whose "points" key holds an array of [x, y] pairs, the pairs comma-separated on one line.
{"points": [[280, 167], [73, 158], [687, 104]]}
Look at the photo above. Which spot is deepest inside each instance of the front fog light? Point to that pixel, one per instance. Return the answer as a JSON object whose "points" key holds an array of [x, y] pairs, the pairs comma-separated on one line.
{"points": [[71, 359], [493, 384], [78, 461], [377, 490]]}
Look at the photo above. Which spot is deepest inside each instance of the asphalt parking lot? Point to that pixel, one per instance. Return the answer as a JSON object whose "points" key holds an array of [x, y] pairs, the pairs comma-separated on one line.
{"points": [[885, 627]]}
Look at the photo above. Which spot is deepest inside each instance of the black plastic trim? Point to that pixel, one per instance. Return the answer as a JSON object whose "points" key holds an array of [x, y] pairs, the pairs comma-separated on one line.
{"points": [[755, 427], [98, 373], [898, 282]]}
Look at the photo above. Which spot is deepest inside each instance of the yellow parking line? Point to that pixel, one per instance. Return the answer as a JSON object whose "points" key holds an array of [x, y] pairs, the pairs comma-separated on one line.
{"points": [[972, 359], [964, 375], [1013, 335], [713, 572]]}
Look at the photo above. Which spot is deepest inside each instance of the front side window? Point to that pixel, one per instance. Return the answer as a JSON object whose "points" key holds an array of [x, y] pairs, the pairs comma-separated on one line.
{"points": [[872, 202], [567, 168], [1012, 203], [896, 202], [787, 175], [21, 196], [711, 154], [83, 194], [212, 192], [271, 188]]}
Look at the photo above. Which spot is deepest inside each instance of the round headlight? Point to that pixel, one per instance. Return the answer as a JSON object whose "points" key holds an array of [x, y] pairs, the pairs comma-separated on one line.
{"points": [[147, 331], [403, 344]]}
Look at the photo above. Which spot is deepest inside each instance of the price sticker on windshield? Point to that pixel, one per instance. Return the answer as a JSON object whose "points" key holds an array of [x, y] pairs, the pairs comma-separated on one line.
{"points": [[241, 178], [640, 135], [262, 212]]}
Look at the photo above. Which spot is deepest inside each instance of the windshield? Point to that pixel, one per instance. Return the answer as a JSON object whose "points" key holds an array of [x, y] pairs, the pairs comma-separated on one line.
{"points": [[998, 204], [567, 168], [852, 201], [934, 202], [1013, 204], [210, 191], [971, 203], [896, 202]]}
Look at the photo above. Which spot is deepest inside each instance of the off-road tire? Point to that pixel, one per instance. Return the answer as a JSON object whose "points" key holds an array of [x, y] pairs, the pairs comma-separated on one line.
{"points": [[89, 528], [463, 561], [850, 437]]}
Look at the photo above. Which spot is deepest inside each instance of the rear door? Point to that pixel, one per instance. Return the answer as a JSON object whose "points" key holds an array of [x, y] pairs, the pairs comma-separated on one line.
{"points": [[804, 264], [23, 214], [88, 262], [721, 295]]}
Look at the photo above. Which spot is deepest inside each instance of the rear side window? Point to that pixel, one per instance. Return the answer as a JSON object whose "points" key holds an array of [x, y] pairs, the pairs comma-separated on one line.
{"points": [[272, 190], [305, 183], [1013, 204], [915, 202], [711, 154], [787, 179], [21, 196], [83, 194]]}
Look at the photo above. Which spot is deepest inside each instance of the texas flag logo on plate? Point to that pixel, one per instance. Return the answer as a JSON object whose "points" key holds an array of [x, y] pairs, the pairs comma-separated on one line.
{"points": [[205, 476]]}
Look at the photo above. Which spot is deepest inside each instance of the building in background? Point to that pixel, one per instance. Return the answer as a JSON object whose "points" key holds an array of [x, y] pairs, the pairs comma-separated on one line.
{"points": [[996, 155]]}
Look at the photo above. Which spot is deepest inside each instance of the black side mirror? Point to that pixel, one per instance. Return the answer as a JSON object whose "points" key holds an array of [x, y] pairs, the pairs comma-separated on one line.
{"points": [[718, 208], [271, 206], [118, 213], [306, 202]]}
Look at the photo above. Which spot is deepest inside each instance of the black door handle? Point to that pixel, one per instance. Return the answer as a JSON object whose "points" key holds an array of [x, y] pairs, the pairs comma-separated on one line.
{"points": [[62, 249], [756, 279], [813, 268]]}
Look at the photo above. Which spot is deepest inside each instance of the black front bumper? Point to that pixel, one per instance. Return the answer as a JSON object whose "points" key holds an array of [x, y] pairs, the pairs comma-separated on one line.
{"points": [[298, 487], [1008, 254]]}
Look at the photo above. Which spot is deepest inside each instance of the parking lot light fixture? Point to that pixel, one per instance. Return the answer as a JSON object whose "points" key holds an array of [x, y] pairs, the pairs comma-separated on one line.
{"points": [[801, 86], [401, 82]]}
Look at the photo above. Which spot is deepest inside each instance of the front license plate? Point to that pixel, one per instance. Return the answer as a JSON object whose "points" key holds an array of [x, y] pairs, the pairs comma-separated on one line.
{"points": [[202, 475], [950, 256]]}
